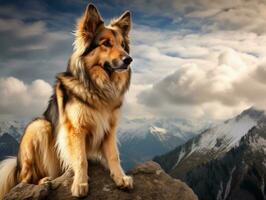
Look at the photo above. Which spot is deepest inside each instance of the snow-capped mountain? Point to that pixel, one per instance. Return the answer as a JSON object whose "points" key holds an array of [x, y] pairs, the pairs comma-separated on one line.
{"points": [[142, 139], [139, 139], [210, 144], [239, 174], [13, 128]]}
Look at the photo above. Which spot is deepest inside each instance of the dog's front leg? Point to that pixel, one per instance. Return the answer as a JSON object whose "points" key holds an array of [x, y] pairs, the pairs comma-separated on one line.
{"points": [[110, 152], [79, 164]]}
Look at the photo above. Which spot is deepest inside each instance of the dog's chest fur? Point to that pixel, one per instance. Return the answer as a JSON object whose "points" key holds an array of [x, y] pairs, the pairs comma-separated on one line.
{"points": [[94, 123]]}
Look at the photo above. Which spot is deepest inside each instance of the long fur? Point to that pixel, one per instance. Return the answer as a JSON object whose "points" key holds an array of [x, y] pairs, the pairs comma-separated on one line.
{"points": [[81, 118], [8, 177]]}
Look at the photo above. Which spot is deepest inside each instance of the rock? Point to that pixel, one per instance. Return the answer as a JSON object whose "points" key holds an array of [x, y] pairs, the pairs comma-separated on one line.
{"points": [[150, 183]]}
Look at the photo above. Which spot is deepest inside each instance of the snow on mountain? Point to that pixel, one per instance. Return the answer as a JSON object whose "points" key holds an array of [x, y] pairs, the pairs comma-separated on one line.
{"points": [[159, 132], [14, 128], [142, 139], [139, 128], [210, 144], [239, 174], [139, 139], [226, 135]]}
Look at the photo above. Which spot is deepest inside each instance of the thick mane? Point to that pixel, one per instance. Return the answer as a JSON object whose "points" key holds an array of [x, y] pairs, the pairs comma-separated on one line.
{"points": [[84, 79], [88, 91], [85, 90]]}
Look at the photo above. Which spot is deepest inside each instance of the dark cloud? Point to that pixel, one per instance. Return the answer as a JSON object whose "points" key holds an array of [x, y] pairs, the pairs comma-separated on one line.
{"points": [[207, 15], [31, 51], [191, 57]]}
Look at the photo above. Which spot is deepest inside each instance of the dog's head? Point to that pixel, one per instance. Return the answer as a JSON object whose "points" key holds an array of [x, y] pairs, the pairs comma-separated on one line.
{"points": [[105, 46]]}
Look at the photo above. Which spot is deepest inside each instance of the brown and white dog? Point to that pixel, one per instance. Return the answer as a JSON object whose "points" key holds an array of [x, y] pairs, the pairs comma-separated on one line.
{"points": [[81, 119]]}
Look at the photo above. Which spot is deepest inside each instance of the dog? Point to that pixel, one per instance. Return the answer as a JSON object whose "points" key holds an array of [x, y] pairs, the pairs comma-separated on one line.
{"points": [[82, 115]]}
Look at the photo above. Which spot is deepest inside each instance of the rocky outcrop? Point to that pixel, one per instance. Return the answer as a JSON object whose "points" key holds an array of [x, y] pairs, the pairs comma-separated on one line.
{"points": [[150, 183]]}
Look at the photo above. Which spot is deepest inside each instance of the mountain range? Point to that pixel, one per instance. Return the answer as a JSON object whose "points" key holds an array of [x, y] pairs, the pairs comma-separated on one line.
{"points": [[224, 162], [239, 175], [139, 139]]}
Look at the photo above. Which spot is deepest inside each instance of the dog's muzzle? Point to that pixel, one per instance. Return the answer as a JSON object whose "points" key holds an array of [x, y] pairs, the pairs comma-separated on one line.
{"points": [[118, 65], [127, 60]]}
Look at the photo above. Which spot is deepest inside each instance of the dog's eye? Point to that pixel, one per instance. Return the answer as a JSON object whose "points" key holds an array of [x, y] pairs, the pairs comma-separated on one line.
{"points": [[123, 45], [107, 43]]}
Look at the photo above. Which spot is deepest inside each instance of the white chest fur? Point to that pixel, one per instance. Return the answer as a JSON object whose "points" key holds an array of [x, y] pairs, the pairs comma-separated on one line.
{"points": [[94, 123]]}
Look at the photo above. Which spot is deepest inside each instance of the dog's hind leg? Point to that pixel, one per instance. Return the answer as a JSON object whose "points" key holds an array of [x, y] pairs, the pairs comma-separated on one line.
{"points": [[37, 158]]}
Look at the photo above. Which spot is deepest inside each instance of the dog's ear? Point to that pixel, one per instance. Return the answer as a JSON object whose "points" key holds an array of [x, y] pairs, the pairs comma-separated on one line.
{"points": [[123, 22], [88, 25], [92, 19]]}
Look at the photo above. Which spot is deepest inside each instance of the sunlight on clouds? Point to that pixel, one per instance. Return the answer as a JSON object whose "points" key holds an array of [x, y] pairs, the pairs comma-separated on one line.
{"points": [[131, 108], [231, 84], [206, 61], [23, 100], [213, 75]]}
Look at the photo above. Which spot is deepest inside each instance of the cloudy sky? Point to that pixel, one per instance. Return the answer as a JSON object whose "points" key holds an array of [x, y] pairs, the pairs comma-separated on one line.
{"points": [[200, 59]]}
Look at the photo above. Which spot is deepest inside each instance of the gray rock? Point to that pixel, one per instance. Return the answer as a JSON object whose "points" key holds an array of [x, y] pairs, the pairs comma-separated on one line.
{"points": [[150, 183]]}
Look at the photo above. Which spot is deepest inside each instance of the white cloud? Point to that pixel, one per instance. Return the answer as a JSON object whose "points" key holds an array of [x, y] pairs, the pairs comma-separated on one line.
{"points": [[21, 100], [212, 92], [210, 64], [213, 75]]}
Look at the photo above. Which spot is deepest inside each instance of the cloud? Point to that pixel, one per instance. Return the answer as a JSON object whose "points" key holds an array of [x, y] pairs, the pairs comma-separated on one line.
{"points": [[207, 15], [31, 50], [232, 83], [196, 75], [192, 58], [21, 100]]}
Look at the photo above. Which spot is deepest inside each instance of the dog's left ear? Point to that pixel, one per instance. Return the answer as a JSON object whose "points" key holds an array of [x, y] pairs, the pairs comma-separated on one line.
{"points": [[86, 28], [123, 22]]}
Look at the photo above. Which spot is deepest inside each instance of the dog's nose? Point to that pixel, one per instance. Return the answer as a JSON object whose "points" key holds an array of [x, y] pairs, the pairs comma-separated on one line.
{"points": [[127, 60]]}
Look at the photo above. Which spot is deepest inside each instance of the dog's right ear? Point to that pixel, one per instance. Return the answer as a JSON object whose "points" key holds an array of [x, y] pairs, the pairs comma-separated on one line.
{"points": [[87, 26], [92, 19]]}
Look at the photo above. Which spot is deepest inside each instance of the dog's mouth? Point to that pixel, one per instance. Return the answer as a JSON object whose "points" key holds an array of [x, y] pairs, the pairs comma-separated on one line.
{"points": [[114, 68]]}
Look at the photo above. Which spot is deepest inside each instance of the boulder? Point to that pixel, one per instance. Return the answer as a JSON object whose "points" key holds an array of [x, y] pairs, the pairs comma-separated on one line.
{"points": [[150, 183]]}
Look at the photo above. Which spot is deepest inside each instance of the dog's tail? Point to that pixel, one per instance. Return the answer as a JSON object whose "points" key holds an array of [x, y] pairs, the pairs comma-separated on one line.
{"points": [[8, 175]]}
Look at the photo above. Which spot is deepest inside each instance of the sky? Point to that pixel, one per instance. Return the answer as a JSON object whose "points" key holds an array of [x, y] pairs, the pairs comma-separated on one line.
{"points": [[193, 59]]}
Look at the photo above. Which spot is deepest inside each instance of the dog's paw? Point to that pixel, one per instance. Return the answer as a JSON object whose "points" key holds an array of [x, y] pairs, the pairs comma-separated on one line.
{"points": [[79, 189], [45, 180], [124, 182]]}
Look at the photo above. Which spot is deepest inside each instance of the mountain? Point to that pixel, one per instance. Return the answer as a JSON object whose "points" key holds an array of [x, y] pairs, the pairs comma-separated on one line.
{"points": [[239, 175], [8, 146], [139, 139], [142, 139], [213, 143], [13, 128]]}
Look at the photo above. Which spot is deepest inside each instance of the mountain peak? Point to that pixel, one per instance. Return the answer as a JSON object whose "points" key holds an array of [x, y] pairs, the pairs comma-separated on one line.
{"points": [[210, 144], [253, 113]]}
